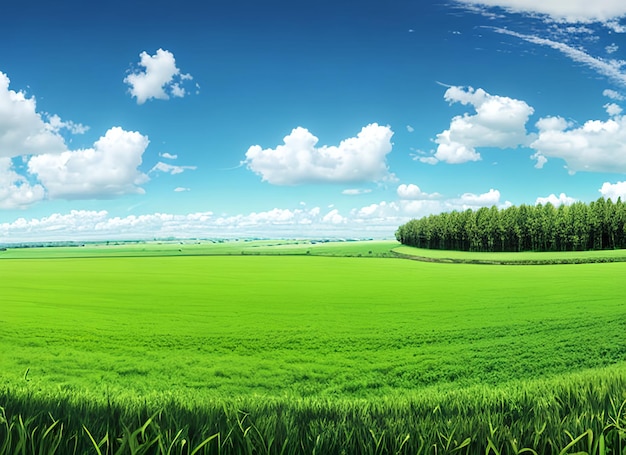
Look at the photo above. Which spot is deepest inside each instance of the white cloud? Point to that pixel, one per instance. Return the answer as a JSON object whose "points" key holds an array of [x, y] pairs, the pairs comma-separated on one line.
{"points": [[168, 156], [55, 124], [572, 11], [180, 189], [15, 190], [561, 199], [614, 191], [610, 68], [410, 129], [159, 79], [420, 208], [471, 200], [612, 109], [355, 191], [427, 159], [596, 146], [382, 210], [378, 220], [299, 160], [413, 192], [170, 168], [611, 48], [108, 169], [614, 95], [22, 129], [499, 122], [334, 217]]}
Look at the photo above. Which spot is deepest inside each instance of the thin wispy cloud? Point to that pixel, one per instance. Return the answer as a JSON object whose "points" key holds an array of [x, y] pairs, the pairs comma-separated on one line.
{"points": [[613, 69]]}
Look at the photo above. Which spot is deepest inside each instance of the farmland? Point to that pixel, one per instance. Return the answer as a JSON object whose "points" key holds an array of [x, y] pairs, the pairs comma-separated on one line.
{"points": [[331, 327]]}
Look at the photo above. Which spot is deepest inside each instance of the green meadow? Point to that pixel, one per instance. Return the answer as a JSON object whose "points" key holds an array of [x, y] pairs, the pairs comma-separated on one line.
{"points": [[243, 333]]}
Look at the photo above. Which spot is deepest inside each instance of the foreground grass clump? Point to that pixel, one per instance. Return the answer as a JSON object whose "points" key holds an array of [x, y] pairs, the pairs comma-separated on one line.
{"points": [[582, 413]]}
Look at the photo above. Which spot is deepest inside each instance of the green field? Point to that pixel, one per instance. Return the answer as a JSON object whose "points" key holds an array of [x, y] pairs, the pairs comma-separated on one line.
{"points": [[252, 321]]}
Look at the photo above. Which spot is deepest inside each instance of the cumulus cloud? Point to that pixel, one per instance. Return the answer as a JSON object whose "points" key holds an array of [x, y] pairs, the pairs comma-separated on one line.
{"points": [[413, 192], [23, 131], [611, 68], [499, 122], [170, 168], [108, 169], [168, 156], [334, 217], [561, 199], [605, 11], [15, 190], [612, 109], [597, 146], [614, 95], [381, 210], [160, 78], [300, 160], [613, 191], [471, 200], [55, 124]]}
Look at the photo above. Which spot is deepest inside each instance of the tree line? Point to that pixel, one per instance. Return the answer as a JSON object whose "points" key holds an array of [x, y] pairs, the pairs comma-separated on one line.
{"points": [[579, 226]]}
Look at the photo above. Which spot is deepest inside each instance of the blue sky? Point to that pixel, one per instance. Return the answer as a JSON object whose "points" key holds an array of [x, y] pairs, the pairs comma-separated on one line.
{"points": [[302, 119]]}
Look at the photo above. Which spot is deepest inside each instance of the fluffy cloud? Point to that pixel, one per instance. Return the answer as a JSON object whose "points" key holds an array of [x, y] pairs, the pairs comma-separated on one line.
{"points": [[168, 156], [55, 124], [597, 146], [612, 109], [614, 95], [300, 160], [15, 190], [561, 199], [382, 210], [23, 131], [170, 168], [614, 191], [334, 217], [499, 122], [472, 201], [413, 192], [561, 10], [159, 79], [108, 169]]}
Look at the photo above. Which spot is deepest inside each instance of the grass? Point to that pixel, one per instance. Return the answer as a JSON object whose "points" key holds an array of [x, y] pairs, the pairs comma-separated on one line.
{"points": [[369, 343], [526, 257], [207, 248]]}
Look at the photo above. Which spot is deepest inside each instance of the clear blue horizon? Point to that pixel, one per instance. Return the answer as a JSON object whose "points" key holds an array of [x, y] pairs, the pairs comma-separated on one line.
{"points": [[282, 119]]}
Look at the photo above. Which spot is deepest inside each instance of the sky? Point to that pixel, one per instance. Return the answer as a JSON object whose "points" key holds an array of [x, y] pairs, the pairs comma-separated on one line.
{"points": [[298, 119]]}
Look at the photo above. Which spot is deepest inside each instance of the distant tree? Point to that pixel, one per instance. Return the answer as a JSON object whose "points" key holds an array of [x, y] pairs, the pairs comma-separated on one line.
{"points": [[598, 225]]}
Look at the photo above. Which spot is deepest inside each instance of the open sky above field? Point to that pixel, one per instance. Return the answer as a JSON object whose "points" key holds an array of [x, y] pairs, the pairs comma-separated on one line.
{"points": [[302, 119]]}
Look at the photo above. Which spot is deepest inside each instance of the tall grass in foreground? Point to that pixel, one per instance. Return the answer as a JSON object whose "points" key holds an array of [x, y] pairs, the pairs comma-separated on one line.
{"points": [[582, 413]]}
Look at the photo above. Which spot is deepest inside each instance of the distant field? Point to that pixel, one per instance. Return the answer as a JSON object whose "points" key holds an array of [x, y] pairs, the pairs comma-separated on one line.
{"points": [[526, 256], [201, 248], [371, 341]]}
